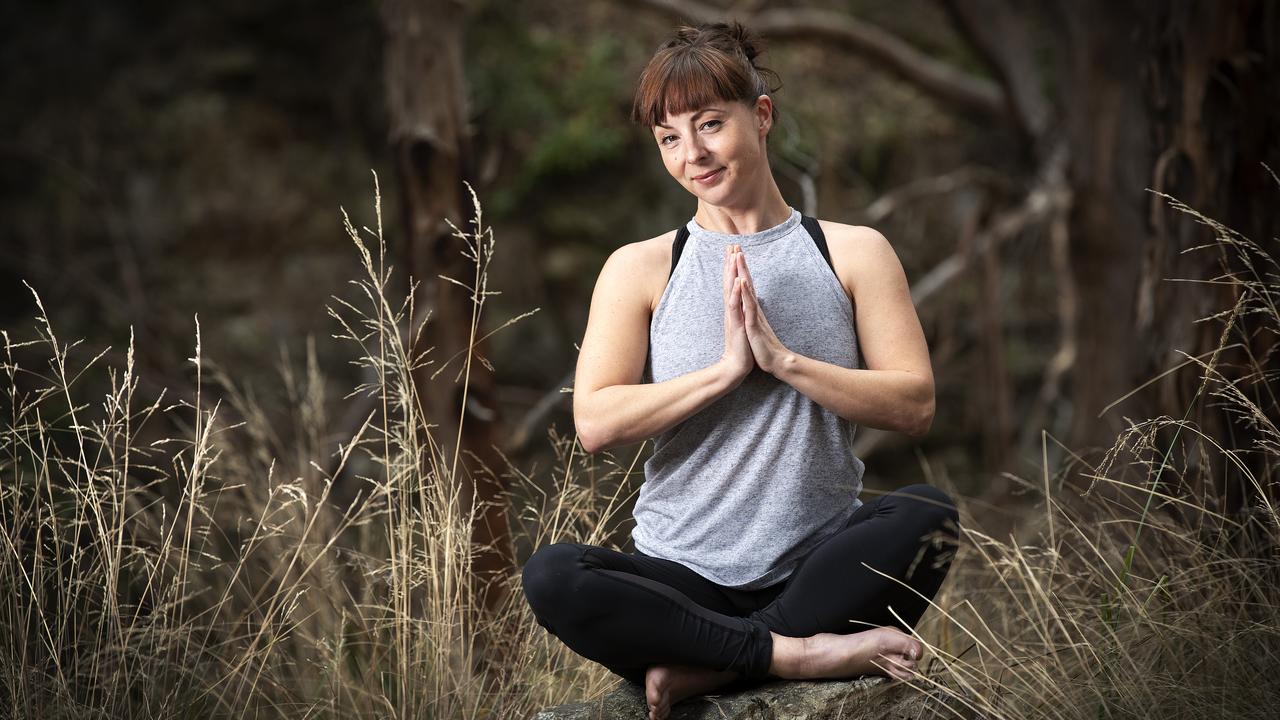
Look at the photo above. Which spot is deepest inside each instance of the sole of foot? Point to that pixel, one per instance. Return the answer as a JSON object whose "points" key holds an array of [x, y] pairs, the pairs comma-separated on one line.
{"points": [[666, 685]]}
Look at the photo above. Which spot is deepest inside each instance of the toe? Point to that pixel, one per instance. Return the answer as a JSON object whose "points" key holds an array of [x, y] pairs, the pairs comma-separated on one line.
{"points": [[896, 667], [900, 643]]}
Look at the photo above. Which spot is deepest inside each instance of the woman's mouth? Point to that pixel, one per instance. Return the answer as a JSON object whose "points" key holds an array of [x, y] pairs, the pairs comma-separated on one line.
{"points": [[710, 177]]}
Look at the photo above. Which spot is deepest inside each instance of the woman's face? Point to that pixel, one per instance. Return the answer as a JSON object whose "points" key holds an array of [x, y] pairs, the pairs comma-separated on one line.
{"points": [[717, 152]]}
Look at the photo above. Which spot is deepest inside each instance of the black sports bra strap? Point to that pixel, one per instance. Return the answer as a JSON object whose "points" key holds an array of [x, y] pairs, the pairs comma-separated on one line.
{"points": [[677, 247], [810, 224], [819, 239]]}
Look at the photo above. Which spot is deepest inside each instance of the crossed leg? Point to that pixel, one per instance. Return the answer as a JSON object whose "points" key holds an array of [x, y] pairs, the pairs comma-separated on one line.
{"points": [[660, 624]]}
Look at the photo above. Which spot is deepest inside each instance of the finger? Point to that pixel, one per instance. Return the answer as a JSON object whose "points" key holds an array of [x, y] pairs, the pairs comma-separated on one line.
{"points": [[732, 293], [730, 267], [751, 303], [742, 271]]}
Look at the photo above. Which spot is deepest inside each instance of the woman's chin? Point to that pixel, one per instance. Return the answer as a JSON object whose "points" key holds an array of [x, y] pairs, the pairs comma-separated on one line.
{"points": [[712, 195]]}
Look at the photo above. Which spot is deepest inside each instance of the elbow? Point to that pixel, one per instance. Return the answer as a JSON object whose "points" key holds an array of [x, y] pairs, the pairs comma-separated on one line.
{"points": [[922, 417], [586, 436], [590, 445], [589, 435]]}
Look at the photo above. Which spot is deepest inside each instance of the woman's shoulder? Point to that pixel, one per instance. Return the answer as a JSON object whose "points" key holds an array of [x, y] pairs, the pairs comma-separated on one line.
{"points": [[851, 234], [857, 249], [657, 244], [645, 265], [648, 254]]}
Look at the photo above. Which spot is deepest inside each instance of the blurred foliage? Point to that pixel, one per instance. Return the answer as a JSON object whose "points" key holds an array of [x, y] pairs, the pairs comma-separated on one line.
{"points": [[556, 105], [174, 159]]}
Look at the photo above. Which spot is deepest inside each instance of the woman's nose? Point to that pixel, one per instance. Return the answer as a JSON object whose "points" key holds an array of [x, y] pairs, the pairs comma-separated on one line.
{"points": [[694, 150]]}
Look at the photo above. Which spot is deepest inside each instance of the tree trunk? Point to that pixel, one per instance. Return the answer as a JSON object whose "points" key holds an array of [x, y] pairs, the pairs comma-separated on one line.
{"points": [[1174, 97], [426, 94], [1106, 126]]}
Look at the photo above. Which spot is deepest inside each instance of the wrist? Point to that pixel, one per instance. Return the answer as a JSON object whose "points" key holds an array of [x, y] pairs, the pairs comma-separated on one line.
{"points": [[786, 366], [726, 378]]}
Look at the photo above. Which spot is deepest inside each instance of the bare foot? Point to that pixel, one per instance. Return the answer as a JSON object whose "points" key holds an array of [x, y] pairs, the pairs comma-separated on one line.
{"points": [[666, 685], [879, 651]]}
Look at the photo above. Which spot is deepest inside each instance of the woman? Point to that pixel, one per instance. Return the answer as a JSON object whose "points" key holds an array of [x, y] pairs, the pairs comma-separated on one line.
{"points": [[755, 559]]}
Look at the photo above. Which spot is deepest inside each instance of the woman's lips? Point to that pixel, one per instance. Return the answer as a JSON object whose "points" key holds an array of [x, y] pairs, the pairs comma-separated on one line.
{"points": [[709, 177]]}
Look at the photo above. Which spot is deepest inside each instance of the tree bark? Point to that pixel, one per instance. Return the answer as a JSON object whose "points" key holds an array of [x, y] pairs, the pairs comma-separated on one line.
{"points": [[1213, 91], [426, 94], [1106, 125], [1147, 89]]}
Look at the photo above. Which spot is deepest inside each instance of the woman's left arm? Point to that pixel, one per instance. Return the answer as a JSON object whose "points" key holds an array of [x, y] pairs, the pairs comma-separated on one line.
{"points": [[894, 389]]}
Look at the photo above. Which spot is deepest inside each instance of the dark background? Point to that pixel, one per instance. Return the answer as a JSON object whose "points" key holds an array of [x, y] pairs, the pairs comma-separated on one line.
{"points": [[160, 161]]}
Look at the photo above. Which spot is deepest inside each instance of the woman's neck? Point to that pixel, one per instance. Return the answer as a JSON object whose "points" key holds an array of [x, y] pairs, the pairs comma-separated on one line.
{"points": [[763, 210]]}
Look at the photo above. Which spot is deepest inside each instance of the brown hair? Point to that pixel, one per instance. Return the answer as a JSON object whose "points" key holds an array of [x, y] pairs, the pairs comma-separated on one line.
{"points": [[699, 66]]}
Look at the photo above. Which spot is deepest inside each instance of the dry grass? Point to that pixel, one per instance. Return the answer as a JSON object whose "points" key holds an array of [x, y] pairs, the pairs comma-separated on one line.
{"points": [[1149, 594], [213, 574]]}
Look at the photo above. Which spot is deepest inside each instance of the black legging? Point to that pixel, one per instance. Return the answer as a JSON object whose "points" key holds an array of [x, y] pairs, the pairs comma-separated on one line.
{"points": [[630, 611]]}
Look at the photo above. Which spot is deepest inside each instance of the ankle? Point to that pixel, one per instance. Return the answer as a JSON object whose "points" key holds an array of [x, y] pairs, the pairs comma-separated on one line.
{"points": [[789, 657]]}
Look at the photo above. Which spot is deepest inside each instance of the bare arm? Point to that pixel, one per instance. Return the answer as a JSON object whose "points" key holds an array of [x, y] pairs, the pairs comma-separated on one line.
{"points": [[885, 399], [611, 407], [895, 390]]}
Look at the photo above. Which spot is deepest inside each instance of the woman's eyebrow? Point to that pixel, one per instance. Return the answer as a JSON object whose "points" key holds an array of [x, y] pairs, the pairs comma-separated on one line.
{"points": [[695, 115]]}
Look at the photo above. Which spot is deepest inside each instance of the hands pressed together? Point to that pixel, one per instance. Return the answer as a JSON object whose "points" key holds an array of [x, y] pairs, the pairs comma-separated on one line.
{"points": [[748, 339]]}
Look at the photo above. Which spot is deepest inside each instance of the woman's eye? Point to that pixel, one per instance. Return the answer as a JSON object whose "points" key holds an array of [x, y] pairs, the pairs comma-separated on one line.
{"points": [[666, 140]]}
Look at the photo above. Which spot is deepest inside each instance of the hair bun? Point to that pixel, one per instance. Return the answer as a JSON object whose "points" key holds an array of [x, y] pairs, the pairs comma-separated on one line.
{"points": [[748, 41], [727, 35]]}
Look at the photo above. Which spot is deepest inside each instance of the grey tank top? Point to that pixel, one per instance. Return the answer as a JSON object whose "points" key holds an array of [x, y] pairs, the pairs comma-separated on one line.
{"points": [[742, 490]]}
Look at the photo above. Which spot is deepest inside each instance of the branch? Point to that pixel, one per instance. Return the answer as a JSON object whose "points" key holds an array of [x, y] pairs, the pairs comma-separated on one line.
{"points": [[1048, 199], [933, 77], [962, 178], [523, 431], [1069, 314], [1048, 195], [1002, 39]]}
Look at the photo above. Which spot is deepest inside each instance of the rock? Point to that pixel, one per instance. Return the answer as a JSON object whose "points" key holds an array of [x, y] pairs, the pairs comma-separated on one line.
{"points": [[870, 698]]}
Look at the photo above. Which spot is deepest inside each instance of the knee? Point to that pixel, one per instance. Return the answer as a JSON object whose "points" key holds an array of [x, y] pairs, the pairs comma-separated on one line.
{"points": [[934, 504], [547, 578]]}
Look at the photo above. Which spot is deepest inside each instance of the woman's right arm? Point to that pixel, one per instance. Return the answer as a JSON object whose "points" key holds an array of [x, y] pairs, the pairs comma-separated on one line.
{"points": [[611, 407]]}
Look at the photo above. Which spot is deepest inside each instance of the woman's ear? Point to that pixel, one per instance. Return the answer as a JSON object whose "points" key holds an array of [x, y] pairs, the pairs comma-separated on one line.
{"points": [[763, 113]]}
